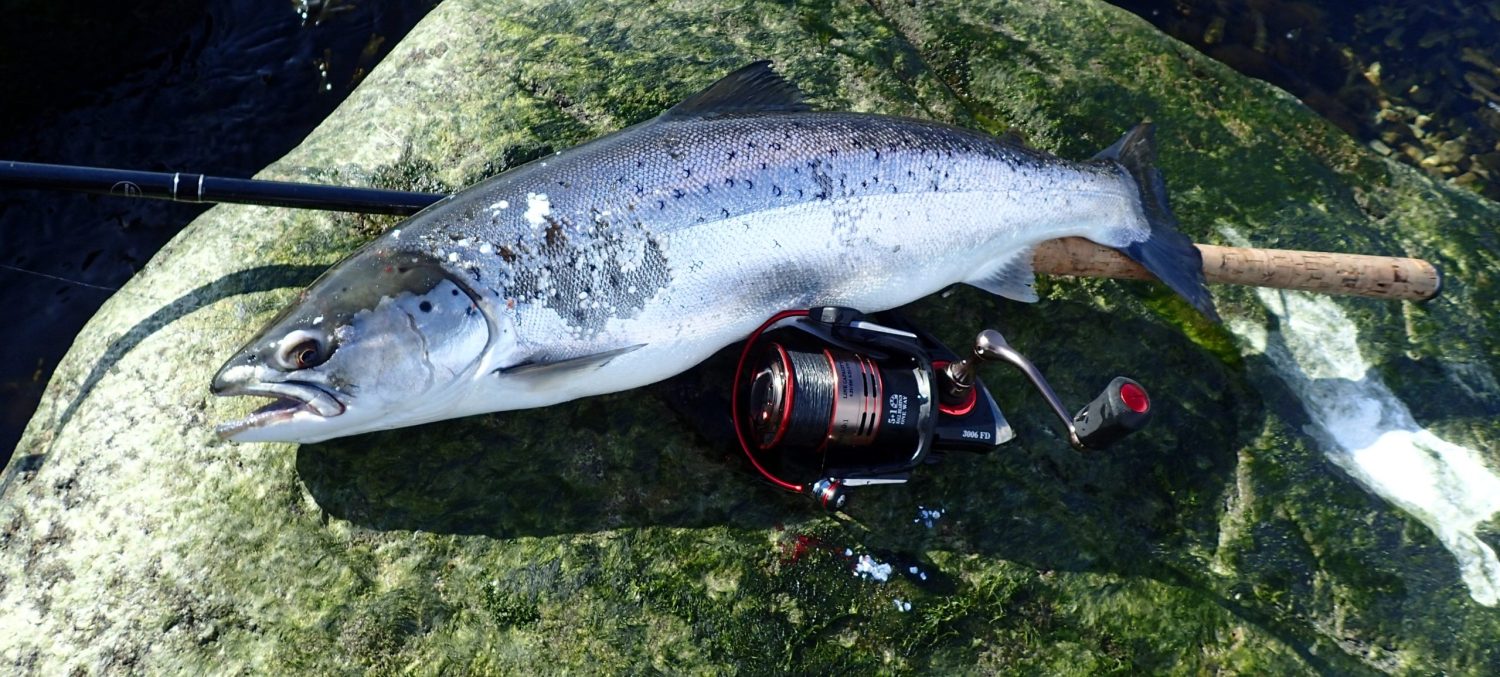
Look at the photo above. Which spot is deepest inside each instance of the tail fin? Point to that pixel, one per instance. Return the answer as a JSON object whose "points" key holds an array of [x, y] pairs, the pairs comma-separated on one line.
{"points": [[1167, 253]]}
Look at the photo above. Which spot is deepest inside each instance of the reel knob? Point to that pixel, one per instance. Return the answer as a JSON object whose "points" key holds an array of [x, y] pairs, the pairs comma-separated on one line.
{"points": [[829, 493], [1123, 408]]}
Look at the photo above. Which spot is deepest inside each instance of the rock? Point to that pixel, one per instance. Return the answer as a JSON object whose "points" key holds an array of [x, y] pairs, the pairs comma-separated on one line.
{"points": [[1312, 496]]}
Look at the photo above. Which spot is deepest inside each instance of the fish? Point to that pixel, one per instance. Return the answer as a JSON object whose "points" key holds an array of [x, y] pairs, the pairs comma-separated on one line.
{"points": [[635, 256]]}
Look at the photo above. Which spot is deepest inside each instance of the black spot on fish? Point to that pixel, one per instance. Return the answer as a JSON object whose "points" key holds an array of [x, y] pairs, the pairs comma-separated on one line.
{"points": [[732, 154], [455, 292], [687, 173], [776, 190], [775, 146], [678, 193], [661, 204], [729, 182], [724, 213], [425, 306], [749, 185]]}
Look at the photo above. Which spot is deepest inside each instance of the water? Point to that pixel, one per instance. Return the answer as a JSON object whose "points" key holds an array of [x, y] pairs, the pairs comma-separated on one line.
{"points": [[1418, 82], [222, 88]]}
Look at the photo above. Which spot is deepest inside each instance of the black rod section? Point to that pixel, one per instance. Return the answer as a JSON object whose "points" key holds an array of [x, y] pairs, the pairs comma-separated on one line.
{"points": [[184, 187]]}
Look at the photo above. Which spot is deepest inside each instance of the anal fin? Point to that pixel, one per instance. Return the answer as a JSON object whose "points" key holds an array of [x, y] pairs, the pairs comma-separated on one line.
{"points": [[1011, 277]]}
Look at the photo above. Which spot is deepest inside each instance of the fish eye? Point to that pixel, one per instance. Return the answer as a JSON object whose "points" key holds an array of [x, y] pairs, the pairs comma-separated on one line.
{"points": [[302, 349]]}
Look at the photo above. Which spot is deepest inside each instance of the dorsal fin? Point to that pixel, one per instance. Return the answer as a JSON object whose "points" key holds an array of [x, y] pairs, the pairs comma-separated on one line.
{"points": [[752, 89]]}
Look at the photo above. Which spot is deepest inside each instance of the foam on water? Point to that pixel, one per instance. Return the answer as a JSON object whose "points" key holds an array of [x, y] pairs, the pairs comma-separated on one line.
{"points": [[1369, 433]]}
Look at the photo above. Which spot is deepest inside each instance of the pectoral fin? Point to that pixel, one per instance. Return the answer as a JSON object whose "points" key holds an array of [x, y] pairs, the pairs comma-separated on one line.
{"points": [[581, 363], [1011, 277]]}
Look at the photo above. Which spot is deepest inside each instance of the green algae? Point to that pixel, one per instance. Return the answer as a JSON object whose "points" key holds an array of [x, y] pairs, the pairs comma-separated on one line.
{"points": [[622, 534]]}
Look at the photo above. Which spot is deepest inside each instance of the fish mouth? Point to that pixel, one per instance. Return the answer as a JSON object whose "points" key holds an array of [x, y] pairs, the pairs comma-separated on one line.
{"points": [[291, 399]]}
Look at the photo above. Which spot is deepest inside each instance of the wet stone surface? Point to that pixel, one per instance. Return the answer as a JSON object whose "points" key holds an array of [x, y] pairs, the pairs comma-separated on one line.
{"points": [[623, 532]]}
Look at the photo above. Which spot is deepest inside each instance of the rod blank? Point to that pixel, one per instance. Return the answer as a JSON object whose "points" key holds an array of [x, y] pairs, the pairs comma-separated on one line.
{"points": [[185, 187]]}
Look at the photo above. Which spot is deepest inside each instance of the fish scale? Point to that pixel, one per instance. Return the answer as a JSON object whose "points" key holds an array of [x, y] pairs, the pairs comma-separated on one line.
{"points": [[630, 258]]}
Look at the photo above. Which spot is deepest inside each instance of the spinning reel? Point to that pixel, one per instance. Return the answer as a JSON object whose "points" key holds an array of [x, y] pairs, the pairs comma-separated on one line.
{"points": [[826, 399]]}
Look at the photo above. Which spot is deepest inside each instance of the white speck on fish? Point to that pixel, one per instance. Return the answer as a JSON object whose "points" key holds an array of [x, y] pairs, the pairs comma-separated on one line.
{"points": [[485, 248], [453, 256], [396, 234], [318, 319], [504, 204], [537, 208]]}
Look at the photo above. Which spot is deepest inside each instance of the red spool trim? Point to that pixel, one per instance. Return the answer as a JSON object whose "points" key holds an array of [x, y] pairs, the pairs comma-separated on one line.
{"points": [[1134, 397], [734, 399], [969, 402]]}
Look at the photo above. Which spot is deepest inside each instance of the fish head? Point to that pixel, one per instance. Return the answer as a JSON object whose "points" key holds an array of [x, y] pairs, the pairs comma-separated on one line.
{"points": [[385, 339]]}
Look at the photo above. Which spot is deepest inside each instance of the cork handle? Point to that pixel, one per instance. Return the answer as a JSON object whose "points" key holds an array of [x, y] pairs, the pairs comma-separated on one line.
{"points": [[1384, 277]]}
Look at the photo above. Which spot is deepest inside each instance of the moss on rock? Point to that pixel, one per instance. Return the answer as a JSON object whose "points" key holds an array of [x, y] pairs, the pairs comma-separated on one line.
{"points": [[615, 535]]}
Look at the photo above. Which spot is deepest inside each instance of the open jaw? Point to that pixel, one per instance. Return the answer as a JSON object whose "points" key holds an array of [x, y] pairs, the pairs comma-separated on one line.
{"points": [[293, 400]]}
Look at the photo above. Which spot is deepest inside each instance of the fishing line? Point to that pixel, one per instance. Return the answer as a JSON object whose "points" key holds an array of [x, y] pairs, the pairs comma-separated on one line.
{"points": [[49, 276], [813, 394]]}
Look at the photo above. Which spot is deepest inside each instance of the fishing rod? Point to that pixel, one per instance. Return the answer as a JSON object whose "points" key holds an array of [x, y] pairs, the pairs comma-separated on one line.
{"points": [[1386, 277], [199, 188]]}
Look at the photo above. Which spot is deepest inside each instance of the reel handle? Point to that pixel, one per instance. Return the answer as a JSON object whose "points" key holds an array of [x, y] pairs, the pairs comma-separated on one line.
{"points": [[1123, 408]]}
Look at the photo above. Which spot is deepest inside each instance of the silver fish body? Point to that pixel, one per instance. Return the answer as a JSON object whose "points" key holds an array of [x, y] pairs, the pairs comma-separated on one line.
{"points": [[633, 257]]}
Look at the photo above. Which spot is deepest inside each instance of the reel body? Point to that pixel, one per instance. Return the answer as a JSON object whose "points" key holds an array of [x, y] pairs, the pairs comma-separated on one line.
{"points": [[828, 398]]}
